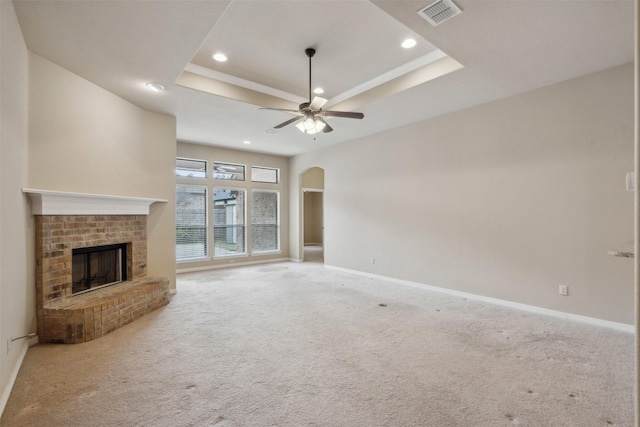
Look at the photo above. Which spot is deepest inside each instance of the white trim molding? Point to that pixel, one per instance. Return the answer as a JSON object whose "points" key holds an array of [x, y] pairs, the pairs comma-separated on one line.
{"points": [[231, 263], [13, 375], [46, 202], [623, 327]]}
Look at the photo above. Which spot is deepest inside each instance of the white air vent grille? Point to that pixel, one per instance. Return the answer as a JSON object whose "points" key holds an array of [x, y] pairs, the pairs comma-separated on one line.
{"points": [[439, 11]]}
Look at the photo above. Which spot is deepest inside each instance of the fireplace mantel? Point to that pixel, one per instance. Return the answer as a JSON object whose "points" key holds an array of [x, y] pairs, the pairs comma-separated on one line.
{"points": [[46, 202]]}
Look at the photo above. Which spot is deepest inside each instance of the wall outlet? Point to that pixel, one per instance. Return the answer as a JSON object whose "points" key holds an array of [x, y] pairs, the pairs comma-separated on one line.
{"points": [[563, 290], [373, 260]]}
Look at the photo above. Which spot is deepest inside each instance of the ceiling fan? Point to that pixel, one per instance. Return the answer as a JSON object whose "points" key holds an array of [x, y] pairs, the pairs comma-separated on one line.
{"points": [[310, 115]]}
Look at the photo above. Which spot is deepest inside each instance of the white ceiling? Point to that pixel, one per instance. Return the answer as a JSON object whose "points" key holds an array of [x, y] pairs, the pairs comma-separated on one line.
{"points": [[495, 48]]}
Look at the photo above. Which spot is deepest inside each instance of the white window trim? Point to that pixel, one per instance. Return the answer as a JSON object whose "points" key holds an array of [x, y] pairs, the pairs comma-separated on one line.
{"points": [[196, 259], [206, 169], [213, 255], [206, 220], [213, 172], [266, 182], [274, 251]]}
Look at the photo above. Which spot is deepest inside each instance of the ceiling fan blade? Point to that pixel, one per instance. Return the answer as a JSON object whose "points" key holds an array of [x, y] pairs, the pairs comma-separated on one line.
{"points": [[326, 128], [279, 109], [294, 112], [345, 114], [317, 103], [288, 122]]}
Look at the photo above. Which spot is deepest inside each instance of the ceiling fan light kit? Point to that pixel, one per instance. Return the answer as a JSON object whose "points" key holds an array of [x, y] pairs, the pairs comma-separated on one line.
{"points": [[311, 125], [310, 115]]}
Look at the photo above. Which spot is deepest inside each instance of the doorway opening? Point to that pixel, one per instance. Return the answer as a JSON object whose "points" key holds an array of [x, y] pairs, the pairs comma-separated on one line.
{"points": [[312, 210], [313, 233]]}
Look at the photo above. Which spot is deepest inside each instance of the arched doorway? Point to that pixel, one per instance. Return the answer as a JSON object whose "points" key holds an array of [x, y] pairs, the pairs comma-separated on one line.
{"points": [[312, 215]]}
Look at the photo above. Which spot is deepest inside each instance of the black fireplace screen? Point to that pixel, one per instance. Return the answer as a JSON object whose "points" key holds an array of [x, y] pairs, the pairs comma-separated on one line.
{"points": [[98, 266]]}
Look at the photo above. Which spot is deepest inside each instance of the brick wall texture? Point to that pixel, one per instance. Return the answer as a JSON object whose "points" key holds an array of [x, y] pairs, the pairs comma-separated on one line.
{"points": [[67, 318]]}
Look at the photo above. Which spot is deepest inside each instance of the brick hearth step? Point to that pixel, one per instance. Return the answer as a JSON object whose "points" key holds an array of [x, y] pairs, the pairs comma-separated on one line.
{"points": [[91, 315]]}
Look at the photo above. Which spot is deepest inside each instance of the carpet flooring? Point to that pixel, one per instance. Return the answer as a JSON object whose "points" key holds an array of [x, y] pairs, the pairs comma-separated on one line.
{"points": [[295, 344]]}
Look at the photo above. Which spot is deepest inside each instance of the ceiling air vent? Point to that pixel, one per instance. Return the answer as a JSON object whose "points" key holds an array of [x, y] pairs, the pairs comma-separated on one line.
{"points": [[439, 11]]}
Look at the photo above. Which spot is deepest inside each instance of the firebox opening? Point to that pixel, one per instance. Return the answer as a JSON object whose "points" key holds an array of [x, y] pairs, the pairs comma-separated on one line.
{"points": [[98, 266]]}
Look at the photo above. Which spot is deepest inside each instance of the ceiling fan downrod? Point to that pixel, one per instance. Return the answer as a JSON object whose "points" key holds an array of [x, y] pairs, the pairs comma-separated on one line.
{"points": [[310, 52]]}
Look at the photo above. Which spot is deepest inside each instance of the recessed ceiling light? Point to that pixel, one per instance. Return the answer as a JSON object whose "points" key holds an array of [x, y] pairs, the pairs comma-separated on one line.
{"points": [[246, 142], [220, 57], [409, 43], [156, 87], [318, 91]]}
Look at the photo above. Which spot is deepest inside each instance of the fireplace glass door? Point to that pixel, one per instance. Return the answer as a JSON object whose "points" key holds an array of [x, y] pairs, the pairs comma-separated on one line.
{"points": [[98, 266]]}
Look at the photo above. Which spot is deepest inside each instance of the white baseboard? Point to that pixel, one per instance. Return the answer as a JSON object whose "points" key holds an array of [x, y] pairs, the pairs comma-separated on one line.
{"points": [[296, 260], [624, 327], [14, 374], [231, 264], [173, 291]]}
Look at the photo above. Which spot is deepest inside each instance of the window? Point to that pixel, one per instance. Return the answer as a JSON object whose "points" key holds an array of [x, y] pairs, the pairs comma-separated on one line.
{"points": [[191, 168], [191, 222], [265, 221], [260, 174], [229, 222], [228, 171]]}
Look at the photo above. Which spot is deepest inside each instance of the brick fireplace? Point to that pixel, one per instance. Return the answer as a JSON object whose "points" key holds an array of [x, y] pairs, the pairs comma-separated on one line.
{"points": [[67, 318]]}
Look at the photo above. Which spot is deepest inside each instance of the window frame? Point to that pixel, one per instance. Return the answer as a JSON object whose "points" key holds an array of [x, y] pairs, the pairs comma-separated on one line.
{"points": [[244, 172], [206, 167], [214, 255], [277, 171], [278, 215], [206, 225]]}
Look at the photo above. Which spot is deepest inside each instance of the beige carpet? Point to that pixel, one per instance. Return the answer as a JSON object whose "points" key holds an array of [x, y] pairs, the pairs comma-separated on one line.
{"points": [[293, 344]]}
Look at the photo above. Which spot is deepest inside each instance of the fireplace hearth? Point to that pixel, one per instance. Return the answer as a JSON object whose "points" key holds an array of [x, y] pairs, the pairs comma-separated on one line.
{"points": [[91, 275], [80, 304]]}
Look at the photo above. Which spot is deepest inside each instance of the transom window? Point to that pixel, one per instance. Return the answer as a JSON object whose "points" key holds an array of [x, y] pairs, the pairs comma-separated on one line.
{"points": [[191, 168], [228, 171], [261, 174]]}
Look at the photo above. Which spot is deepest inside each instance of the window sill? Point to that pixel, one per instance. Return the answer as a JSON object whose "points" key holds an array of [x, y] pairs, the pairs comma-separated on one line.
{"points": [[276, 252], [230, 256], [188, 260]]}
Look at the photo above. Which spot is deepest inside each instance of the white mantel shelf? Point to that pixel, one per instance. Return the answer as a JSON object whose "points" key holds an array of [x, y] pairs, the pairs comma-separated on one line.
{"points": [[46, 202]]}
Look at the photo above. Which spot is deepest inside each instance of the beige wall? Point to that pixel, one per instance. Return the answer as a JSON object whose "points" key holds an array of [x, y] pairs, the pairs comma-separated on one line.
{"points": [[312, 217], [17, 237], [636, 245], [313, 178], [60, 132], [87, 140], [506, 200], [215, 154]]}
